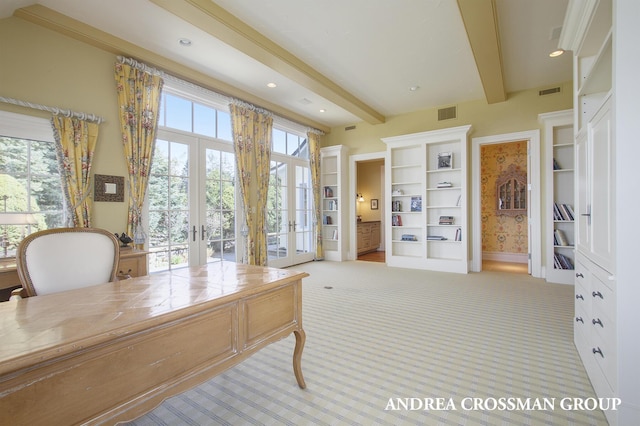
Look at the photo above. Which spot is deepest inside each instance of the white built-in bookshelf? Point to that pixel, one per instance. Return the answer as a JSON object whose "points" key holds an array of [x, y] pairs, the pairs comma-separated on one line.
{"points": [[333, 169], [426, 175], [560, 170]]}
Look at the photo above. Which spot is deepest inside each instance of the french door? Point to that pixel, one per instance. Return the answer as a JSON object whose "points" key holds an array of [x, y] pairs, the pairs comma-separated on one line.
{"points": [[192, 202], [290, 230]]}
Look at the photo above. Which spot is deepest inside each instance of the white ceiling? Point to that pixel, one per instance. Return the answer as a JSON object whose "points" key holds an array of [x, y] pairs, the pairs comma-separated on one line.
{"points": [[373, 49]]}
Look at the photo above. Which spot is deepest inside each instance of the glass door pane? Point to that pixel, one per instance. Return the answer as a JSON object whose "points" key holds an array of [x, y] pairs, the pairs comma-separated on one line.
{"points": [[219, 239], [304, 230], [168, 194], [278, 212]]}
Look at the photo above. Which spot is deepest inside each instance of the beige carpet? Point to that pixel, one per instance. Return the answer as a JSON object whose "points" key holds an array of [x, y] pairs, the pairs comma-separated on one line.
{"points": [[376, 334]]}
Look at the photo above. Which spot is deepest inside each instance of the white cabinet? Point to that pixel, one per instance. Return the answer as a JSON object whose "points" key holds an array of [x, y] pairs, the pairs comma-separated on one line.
{"points": [[588, 32], [333, 178], [426, 178], [560, 191]]}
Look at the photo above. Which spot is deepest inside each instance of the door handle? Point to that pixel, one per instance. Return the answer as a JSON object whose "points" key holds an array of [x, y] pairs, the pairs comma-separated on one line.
{"points": [[202, 232], [194, 232]]}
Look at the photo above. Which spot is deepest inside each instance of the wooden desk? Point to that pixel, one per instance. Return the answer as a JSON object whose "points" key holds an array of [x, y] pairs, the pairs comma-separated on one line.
{"points": [[114, 351]]}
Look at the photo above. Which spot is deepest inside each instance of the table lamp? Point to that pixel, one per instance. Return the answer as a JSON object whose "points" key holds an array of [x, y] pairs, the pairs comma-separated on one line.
{"points": [[13, 218]]}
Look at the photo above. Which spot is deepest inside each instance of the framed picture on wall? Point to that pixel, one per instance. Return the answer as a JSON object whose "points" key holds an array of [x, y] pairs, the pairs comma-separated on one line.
{"points": [[374, 204], [445, 160]]}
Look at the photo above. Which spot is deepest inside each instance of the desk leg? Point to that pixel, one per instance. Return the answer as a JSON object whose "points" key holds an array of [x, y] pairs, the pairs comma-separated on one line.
{"points": [[297, 357]]}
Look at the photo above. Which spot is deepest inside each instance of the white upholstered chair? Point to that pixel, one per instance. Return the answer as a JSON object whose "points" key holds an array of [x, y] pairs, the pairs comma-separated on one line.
{"points": [[63, 259]]}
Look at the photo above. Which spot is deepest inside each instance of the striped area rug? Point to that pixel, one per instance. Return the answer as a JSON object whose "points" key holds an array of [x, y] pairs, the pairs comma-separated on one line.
{"points": [[391, 346]]}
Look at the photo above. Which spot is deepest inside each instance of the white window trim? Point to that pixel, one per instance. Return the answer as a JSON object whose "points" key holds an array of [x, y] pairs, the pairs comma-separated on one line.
{"points": [[21, 126]]}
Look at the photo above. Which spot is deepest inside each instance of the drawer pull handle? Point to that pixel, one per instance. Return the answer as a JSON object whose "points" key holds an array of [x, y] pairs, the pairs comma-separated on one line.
{"points": [[579, 275], [597, 294], [579, 296], [579, 319], [598, 351], [597, 321]]}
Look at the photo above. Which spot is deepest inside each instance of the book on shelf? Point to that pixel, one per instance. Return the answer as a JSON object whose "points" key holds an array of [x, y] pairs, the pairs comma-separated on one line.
{"points": [[328, 192], [335, 234], [326, 219], [444, 185], [459, 200], [396, 220], [556, 166], [446, 220], [396, 206], [458, 234], [436, 238], [562, 211], [416, 204], [409, 237], [560, 261], [559, 238]]}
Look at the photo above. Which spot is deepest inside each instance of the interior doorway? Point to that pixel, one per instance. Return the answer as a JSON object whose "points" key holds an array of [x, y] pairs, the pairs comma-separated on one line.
{"points": [[504, 206], [367, 194], [531, 219]]}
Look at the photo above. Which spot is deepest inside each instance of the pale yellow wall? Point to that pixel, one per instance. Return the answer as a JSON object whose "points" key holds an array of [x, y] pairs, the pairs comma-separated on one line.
{"points": [[44, 67], [519, 113]]}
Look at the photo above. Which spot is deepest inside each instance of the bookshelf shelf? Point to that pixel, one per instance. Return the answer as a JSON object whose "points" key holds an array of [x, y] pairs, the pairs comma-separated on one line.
{"points": [[434, 188], [561, 231], [333, 165]]}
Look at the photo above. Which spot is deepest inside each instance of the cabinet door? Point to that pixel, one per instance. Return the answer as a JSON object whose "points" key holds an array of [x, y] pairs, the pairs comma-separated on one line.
{"points": [[583, 206], [602, 193]]}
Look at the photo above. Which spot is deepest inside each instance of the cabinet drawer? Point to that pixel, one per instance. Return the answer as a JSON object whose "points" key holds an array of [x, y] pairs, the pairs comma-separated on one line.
{"points": [[604, 354], [128, 267], [603, 301]]}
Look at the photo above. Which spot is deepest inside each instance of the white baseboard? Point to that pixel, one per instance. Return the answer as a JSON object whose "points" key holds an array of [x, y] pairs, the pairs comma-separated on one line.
{"points": [[505, 257]]}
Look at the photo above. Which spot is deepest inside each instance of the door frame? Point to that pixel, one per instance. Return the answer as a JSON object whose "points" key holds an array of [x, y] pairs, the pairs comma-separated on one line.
{"points": [[533, 174], [351, 195], [292, 257]]}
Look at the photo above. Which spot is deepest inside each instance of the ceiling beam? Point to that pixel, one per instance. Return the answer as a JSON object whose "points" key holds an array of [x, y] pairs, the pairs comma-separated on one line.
{"points": [[481, 23], [80, 31], [216, 21]]}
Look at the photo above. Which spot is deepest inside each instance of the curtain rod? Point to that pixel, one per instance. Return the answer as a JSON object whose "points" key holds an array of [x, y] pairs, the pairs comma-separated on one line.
{"points": [[228, 99], [54, 110]]}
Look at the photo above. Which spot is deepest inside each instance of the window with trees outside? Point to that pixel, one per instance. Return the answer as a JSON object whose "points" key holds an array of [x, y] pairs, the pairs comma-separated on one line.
{"points": [[29, 177], [194, 216]]}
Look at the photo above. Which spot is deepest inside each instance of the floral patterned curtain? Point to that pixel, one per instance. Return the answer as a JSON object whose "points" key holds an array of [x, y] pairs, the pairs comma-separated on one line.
{"points": [[75, 144], [139, 103], [313, 136], [252, 144]]}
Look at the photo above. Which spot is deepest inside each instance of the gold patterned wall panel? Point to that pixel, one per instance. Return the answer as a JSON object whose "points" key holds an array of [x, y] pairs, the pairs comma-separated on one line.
{"points": [[501, 233]]}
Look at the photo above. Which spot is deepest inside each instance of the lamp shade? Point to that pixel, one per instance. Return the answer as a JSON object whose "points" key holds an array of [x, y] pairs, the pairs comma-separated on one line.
{"points": [[17, 219]]}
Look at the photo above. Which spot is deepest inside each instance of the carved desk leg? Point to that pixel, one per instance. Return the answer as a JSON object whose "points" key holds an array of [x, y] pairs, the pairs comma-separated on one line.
{"points": [[297, 357]]}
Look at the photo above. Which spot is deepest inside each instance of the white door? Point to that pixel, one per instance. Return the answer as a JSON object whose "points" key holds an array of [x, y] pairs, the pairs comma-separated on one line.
{"points": [[191, 196], [290, 230]]}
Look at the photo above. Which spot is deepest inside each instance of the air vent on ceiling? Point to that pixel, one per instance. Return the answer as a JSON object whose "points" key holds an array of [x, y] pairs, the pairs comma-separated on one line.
{"points": [[350, 128], [447, 113], [549, 91], [555, 33]]}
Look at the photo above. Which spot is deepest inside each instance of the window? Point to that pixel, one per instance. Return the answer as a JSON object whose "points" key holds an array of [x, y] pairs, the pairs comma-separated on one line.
{"points": [[192, 199], [29, 176], [180, 113]]}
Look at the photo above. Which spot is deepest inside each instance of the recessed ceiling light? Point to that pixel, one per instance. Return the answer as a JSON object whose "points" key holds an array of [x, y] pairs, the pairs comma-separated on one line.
{"points": [[184, 42], [323, 110], [272, 85], [556, 53], [414, 88]]}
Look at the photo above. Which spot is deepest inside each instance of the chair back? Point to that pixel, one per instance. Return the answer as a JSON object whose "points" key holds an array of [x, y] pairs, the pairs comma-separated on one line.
{"points": [[65, 259]]}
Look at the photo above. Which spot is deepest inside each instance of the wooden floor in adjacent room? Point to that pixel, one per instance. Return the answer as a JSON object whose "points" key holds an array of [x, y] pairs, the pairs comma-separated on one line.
{"points": [[374, 256]]}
